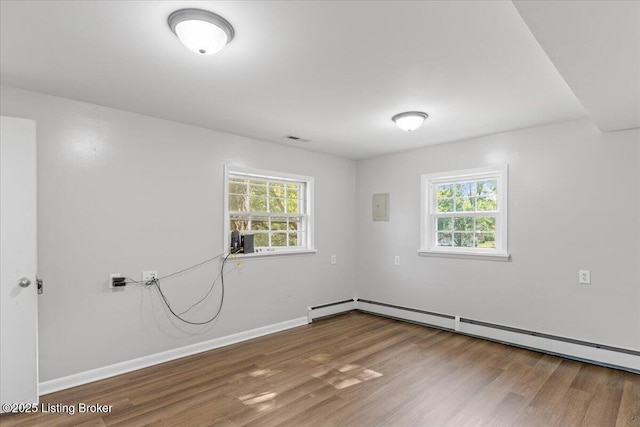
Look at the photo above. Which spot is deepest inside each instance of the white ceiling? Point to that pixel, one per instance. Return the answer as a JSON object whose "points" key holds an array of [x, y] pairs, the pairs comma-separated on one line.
{"points": [[332, 72], [596, 47]]}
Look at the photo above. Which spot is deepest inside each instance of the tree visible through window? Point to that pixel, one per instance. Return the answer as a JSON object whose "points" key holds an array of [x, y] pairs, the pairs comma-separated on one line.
{"points": [[275, 209], [461, 205], [465, 211]]}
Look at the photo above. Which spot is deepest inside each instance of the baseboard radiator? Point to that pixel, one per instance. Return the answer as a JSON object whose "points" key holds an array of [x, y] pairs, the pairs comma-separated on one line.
{"points": [[330, 309], [584, 351]]}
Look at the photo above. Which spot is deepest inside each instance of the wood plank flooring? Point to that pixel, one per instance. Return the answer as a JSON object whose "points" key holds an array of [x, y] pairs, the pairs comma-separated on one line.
{"points": [[356, 370]]}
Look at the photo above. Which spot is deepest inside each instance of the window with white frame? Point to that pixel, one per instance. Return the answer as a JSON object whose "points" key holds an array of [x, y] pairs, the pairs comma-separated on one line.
{"points": [[275, 207], [465, 213]]}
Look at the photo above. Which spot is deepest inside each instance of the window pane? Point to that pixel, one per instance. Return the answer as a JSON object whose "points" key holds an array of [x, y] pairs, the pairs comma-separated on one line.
{"points": [[445, 205], [294, 224], [276, 205], [239, 224], [464, 189], [278, 223], [260, 223], [486, 224], [487, 203], [279, 239], [292, 206], [444, 239], [445, 224], [463, 240], [463, 224], [238, 203], [276, 189], [261, 240], [486, 240], [444, 191], [465, 204], [293, 239], [293, 198], [487, 188], [258, 204], [237, 187], [258, 188]]}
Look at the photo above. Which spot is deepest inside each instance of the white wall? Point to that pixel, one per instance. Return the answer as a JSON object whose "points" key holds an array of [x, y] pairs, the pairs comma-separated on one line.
{"points": [[120, 193], [573, 205]]}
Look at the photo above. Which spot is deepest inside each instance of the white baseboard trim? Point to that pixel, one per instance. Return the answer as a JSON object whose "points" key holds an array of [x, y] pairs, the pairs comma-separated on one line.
{"points": [[330, 309], [625, 359], [81, 378]]}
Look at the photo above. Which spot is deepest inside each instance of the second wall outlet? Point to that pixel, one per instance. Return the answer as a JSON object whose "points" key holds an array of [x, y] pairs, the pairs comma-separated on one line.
{"points": [[584, 277], [333, 259], [148, 276], [396, 260]]}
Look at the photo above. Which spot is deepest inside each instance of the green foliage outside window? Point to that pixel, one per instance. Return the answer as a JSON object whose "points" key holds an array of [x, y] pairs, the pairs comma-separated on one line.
{"points": [[467, 197], [253, 203]]}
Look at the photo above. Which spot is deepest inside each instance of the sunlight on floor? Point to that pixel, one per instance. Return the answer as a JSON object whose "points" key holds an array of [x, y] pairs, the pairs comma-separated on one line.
{"points": [[343, 376]]}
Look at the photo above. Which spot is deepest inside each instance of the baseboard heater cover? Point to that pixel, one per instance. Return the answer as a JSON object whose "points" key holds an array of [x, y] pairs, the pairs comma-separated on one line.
{"points": [[330, 309], [584, 351], [414, 315], [551, 337]]}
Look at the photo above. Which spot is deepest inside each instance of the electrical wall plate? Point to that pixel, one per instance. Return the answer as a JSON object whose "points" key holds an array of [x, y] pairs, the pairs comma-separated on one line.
{"points": [[584, 277], [149, 275]]}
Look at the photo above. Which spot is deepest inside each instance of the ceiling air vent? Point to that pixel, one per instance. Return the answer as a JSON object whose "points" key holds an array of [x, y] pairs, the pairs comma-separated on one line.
{"points": [[296, 138]]}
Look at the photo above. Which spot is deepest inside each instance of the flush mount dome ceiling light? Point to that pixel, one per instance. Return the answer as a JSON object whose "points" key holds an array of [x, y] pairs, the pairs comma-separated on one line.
{"points": [[409, 120], [201, 31]]}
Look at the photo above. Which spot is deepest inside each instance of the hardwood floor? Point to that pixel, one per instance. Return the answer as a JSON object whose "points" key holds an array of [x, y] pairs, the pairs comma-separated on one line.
{"points": [[356, 370]]}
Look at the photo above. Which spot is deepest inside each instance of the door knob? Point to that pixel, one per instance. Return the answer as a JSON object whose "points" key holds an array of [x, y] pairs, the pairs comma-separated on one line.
{"points": [[24, 282]]}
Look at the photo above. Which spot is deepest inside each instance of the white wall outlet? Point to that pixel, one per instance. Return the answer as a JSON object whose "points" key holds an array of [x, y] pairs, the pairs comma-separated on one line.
{"points": [[148, 276], [334, 260], [584, 277], [396, 260]]}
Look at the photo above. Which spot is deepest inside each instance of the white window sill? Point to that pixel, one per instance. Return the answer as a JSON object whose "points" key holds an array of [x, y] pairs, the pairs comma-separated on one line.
{"points": [[492, 256], [265, 254]]}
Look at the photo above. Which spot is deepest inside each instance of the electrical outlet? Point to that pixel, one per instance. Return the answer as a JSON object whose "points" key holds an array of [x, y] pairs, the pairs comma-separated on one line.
{"points": [[396, 260], [584, 277], [333, 259], [114, 276], [148, 276]]}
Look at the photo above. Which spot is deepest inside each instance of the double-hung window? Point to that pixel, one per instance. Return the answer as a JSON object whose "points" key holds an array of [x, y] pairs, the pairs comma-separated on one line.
{"points": [[464, 213], [275, 207]]}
